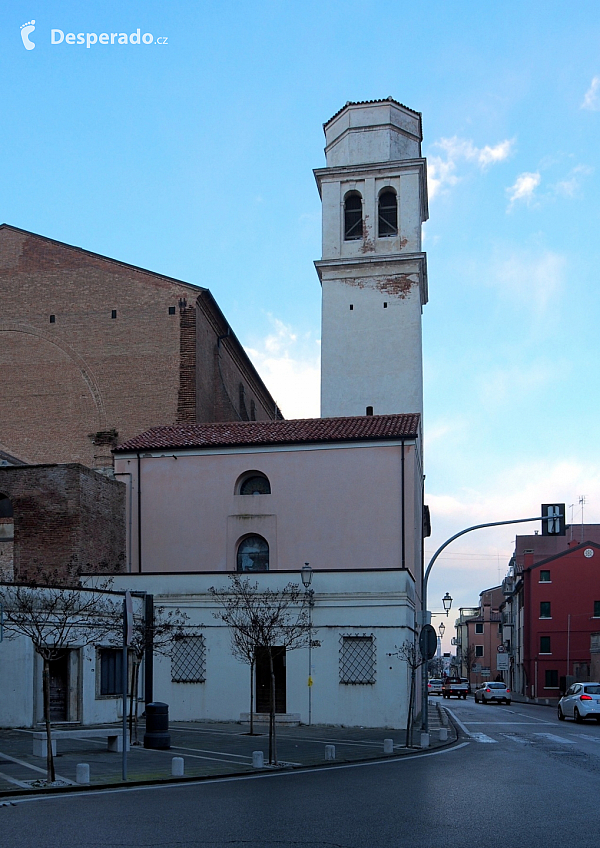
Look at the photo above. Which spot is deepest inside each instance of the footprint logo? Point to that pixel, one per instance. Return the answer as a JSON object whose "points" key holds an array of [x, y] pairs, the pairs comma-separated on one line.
{"points": [[26, 30]]}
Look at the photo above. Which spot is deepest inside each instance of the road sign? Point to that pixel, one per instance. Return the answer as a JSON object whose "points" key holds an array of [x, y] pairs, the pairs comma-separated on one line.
{"points": [[502, 661], [501, 649], [428, 642], [553, 523]]}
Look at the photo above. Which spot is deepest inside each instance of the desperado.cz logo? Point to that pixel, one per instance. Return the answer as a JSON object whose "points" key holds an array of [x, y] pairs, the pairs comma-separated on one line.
{"points": [[58, 36]]}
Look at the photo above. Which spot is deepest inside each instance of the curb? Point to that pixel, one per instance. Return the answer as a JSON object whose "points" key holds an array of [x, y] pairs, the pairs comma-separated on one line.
{"points": [[7, 795]]}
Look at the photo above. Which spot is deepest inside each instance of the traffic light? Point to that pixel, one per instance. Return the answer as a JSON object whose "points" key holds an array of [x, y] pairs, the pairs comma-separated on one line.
{"points": [[553, 520]]}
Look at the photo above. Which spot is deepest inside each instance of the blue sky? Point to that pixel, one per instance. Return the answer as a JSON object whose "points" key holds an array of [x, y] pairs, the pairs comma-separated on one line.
{"points": [[193, 158]]}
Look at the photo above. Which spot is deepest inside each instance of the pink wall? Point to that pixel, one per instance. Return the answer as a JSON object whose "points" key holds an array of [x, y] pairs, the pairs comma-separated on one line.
{"points": [[337, 508]]}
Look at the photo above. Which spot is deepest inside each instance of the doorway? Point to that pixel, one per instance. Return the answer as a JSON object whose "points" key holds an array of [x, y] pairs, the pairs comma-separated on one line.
{"points": [[263, 680], [59, 688]]}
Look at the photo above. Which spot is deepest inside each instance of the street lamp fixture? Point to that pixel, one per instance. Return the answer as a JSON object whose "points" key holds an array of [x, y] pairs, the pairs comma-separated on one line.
{"points": [[442, 629], [306, 573], [447, 602]]}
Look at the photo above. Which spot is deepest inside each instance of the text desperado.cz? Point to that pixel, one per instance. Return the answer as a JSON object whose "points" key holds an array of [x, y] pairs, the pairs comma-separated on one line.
{"points": [[57, 36]]}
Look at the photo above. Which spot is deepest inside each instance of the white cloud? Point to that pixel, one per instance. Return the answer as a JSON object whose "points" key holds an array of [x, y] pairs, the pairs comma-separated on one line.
{"points": [[591, 99], [289, 364], [523, 188], [570, 186], [441, 170], [532, 280]]}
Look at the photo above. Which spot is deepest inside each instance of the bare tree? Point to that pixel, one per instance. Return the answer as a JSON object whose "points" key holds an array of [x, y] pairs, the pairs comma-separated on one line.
{"points": [[56, 619], [158, 634], [409, 652], [268, 619]]}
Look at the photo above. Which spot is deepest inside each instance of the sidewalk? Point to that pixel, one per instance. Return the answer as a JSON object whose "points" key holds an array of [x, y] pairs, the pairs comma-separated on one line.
{"points": [[208, 750]]}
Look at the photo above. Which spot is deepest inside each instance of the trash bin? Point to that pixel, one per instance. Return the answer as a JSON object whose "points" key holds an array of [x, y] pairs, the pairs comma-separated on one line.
{"points": [[157, 734]]}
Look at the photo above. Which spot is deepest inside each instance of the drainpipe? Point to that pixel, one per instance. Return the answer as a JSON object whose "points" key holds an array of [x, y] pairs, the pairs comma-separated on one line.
{"points": [[139, 511], [149, 651], [403, 545]]}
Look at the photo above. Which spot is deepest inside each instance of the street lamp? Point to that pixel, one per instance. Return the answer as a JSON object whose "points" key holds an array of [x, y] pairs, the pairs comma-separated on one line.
{"points": [[447, 602], [442, 629], [306, 573]]}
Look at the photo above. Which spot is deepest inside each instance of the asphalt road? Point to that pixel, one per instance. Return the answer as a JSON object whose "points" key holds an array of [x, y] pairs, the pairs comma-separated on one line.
{"points": [[520, 778]]}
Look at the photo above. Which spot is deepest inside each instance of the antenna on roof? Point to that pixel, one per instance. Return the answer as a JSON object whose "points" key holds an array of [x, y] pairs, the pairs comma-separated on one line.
{"points": [[582, 502]]}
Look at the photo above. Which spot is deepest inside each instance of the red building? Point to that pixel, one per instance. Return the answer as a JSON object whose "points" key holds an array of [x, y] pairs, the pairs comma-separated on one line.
{"points": [[559, 609]]}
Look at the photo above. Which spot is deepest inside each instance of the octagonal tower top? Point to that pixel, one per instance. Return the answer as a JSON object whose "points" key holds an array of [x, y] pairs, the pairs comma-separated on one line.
{"points": [[372, 131]]}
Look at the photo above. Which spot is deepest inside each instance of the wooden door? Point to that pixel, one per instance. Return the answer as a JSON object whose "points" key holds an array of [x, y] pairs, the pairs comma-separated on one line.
{"points": [[263, 680], [59, 688]]}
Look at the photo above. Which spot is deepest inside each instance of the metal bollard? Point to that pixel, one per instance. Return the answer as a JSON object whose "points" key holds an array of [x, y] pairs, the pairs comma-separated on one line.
{"points": [[388, 746], [177, 766], [424, 740], [443, 734], [258, 759], [330, 752], [82, 773]]}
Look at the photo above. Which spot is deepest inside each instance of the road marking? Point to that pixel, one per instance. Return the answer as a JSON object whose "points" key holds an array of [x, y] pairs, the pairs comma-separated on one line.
{"points": [[514, 738], [589, 738], [14, 780], [531, 718], [34, 768], [499, 722], [481, 737], [237, 778], [552, 738]]}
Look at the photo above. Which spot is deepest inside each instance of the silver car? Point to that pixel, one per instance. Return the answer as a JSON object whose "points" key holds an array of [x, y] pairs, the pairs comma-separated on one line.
{"points": [[434, 687], [492, 691], [581, 700]]}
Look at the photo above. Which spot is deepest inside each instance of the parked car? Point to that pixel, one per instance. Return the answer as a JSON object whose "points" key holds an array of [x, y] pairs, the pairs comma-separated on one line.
{"points": [[454, 686], [581, 700], [492, 691], [434, 687]]}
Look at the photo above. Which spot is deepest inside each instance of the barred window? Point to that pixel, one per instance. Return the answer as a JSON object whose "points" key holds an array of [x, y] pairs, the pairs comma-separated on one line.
{"points": [[188, 660], [388, 213], [357, 659]]}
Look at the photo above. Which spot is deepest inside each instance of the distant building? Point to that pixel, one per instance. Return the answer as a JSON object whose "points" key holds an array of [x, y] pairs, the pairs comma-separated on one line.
{"points": [[478, 636], [551, 611]]}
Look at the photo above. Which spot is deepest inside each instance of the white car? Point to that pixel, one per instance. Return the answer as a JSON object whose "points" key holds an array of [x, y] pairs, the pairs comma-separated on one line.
{"points": [[492, 691], [581, 700], [434, 687]]}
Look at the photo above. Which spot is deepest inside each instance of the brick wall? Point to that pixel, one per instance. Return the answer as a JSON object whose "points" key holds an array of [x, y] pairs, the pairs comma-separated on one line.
{"points": [[68, 519], [76, 380]]}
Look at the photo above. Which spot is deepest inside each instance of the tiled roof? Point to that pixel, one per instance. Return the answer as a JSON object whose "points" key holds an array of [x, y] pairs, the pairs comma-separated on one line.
{"points": [[367, 103], [237, 433]]}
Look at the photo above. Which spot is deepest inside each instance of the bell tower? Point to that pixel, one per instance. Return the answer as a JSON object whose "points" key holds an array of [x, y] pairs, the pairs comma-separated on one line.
{"points": [[373, 273]]}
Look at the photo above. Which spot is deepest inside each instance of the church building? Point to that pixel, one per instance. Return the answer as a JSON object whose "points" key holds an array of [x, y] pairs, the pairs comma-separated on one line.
{"points": [[342, 493]]}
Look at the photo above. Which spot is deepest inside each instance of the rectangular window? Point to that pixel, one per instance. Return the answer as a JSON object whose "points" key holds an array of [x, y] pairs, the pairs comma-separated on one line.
{"points": [[171, 310], [111, 671], [357, 659], [545, 645], [551, 681], [479, 627], [596, 609], [478, 650], [545, 577], [113, 313], [545, 609], [188, 660]]}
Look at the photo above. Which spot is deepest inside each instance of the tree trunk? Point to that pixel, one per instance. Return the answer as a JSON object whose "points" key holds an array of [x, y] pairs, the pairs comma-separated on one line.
{"points": [[409, 722], [272, 732], [50, 774]]}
